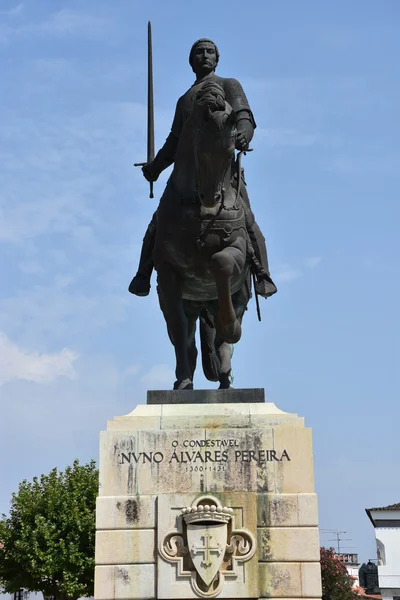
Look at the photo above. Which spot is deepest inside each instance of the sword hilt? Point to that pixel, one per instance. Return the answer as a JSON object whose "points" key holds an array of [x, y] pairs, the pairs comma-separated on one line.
{"points": [[151, 195]]}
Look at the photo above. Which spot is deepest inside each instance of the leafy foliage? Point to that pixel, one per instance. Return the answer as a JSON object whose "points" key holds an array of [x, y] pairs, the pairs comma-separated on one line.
{"points": [[336, 582], [48, 537]]}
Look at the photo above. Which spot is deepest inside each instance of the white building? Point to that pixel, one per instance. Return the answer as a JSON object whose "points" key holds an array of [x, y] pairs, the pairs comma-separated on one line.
{"points": [[386, 521], [350, 561]]}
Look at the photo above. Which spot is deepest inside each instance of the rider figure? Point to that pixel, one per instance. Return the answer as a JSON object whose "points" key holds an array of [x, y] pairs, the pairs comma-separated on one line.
{"points": [[203, 58]]}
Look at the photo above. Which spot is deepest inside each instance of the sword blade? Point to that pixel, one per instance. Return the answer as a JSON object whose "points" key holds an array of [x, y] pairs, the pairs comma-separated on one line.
{"points": [[150, 98]]}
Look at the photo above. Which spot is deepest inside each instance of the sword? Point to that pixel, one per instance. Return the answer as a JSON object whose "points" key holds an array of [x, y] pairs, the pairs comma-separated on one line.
{"points": [[150, 107]]}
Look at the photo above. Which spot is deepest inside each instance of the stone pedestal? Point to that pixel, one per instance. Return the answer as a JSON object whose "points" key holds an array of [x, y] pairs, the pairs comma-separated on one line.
{"points": [[204, 500]]}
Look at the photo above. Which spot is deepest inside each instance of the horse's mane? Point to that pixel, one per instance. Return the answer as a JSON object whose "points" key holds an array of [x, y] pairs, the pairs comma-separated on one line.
{"points": [[210, 101], [211, 94]]}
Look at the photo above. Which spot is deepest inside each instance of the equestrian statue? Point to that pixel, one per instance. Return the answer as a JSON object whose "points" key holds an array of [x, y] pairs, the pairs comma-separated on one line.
{"points": [[203, 239]]}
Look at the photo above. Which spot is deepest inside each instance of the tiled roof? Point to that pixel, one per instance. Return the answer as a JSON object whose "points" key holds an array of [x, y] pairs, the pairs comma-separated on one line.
{"points": [[390, 507], [361, 592], [393, 507]]}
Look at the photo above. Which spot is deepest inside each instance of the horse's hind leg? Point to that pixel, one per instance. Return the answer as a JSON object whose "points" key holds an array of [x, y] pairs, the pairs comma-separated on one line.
{"points": [[215, 352], [224, 265], [192, 350], [224, 351], [177, 324]]}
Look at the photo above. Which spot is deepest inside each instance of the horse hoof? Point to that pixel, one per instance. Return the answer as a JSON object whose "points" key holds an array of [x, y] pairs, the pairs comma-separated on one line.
{"points": [[183, 384], [232, 332], [225, 385], [226, 380]]}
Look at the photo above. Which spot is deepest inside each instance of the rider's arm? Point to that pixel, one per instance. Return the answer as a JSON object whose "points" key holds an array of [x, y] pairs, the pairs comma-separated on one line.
{"points": [[164, 158], [236, 97], [245, 123], [166, 155]]}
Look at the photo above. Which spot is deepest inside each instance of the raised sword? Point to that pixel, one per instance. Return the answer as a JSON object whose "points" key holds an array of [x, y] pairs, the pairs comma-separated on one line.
{"points": [[150, 106]]}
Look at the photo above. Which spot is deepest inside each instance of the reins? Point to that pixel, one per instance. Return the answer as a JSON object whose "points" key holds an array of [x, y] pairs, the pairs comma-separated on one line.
{"points": [[200, 240]]}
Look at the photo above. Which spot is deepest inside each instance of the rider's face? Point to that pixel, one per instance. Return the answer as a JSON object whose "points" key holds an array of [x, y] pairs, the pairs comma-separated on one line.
{"points": [[204, 58]]}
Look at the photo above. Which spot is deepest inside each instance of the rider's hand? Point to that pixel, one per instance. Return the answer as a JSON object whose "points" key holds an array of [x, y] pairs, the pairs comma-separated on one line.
{"points": [[149, 172], [241, 141]]}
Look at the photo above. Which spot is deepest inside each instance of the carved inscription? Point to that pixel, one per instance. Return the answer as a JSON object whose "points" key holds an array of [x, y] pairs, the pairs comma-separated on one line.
{"points": [[220, 453]]}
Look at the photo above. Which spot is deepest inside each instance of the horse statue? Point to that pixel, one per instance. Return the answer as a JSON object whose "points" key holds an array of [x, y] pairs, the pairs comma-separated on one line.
{"points": [[202, 252]]}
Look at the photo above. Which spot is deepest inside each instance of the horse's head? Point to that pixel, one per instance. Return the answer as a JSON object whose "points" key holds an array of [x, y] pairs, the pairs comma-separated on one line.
{"points": [[214, 142]]}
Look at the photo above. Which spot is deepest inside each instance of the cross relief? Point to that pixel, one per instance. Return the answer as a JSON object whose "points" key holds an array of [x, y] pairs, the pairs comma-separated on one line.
{"points": [[207, 549]]}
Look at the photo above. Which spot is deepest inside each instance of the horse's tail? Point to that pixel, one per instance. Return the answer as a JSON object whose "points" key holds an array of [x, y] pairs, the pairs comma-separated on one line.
{"points": [[210, 360]]}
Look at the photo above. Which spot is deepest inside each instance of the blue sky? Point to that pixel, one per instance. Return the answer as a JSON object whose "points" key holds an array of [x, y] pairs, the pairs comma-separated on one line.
{"points": [[76, 349]]}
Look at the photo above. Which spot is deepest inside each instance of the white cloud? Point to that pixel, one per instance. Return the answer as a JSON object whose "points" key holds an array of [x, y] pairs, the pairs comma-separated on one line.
{"points": [[287, 273], [283, 138], [159, 377], [16, 11], [131, 371], [60, 183], [63, 23], [31, 267], [29, 219], [72, 22], [54, 168], [17, 363], [376, 163], [312, 262], [57, 311]]}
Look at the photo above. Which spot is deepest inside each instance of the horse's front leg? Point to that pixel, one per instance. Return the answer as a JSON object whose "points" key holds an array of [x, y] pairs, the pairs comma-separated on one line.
{"points": [[171, 303], [224, 265]]}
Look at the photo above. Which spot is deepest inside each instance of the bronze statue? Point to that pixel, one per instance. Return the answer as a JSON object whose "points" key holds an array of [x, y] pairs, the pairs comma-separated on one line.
{"points": [[203, 239]]}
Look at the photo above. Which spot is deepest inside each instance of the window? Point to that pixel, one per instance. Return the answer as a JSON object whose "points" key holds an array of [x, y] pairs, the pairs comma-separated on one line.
{"points": [[380, 550]]}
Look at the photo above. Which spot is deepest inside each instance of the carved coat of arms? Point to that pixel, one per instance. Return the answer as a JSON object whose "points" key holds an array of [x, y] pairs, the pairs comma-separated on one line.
{"points": [[207, 547]]}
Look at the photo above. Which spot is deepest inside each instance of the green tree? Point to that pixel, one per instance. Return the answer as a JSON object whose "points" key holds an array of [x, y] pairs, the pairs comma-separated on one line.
{"points": [[47, 541], [336, 582]]}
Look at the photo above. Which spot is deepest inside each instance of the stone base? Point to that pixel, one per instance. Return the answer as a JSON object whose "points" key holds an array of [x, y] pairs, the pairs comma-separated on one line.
{"points": [[206, 500], [232, 396]]}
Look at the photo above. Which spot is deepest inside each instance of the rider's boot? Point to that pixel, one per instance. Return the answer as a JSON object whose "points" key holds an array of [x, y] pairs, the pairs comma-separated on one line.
{"points": [[140, 284], [265, 287]]}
